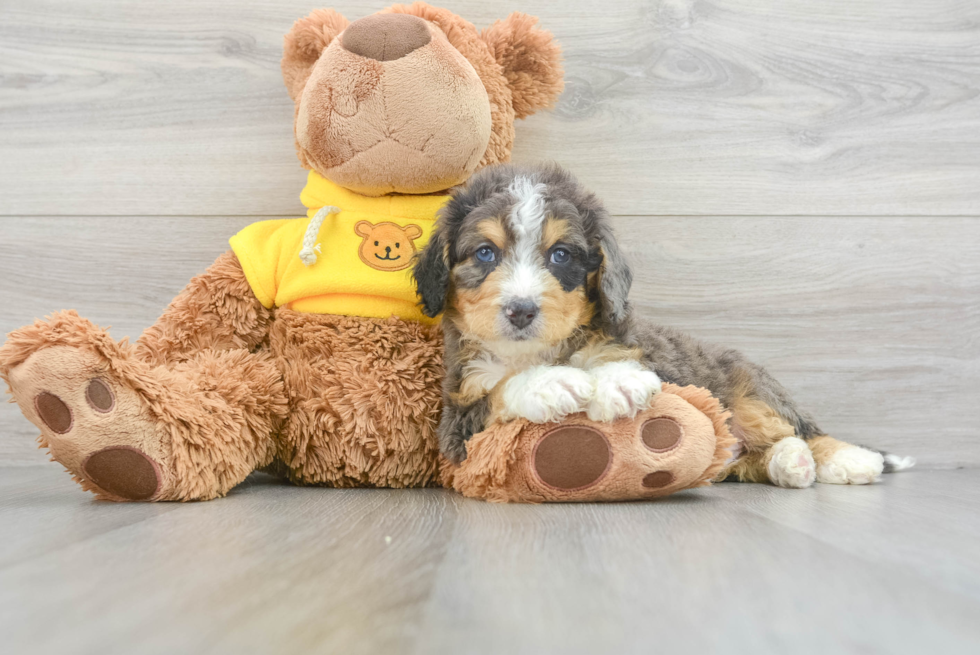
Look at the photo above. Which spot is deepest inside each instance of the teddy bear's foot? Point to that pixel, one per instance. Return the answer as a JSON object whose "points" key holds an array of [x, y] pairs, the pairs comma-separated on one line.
{"points": [[130, 431], [676, 443], [94, 424], [667, 447]]}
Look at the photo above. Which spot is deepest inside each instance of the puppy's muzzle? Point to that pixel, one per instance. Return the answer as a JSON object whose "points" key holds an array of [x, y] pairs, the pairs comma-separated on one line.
{"points": [[521, 313]]}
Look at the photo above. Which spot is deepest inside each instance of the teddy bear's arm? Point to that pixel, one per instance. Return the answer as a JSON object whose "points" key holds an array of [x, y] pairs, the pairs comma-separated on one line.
{"points": [[217, 310]]}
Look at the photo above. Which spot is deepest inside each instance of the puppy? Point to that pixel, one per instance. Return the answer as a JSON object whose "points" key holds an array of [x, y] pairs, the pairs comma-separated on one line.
{"points": [[533, 290]]}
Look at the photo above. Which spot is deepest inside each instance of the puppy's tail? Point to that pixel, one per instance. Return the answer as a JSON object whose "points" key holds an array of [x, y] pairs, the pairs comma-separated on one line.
{"points": [[895, 463]]}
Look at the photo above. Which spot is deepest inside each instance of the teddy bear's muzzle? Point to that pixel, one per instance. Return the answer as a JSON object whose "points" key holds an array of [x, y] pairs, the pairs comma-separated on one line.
{"points": [[386, 37], [393, 107]]}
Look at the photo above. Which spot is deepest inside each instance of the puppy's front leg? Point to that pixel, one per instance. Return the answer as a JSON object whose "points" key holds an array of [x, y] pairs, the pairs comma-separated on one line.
{"points": [[458, 424], [621, 389], [543, 394]]}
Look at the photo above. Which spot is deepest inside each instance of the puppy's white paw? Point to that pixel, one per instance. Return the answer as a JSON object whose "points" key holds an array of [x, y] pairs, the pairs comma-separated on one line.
{"points": [[621, 389], [792, 464], [546, 393], [851, 465]]}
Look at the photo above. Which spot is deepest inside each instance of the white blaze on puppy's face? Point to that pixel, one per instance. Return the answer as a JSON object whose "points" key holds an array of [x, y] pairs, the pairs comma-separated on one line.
{"points": [[523, 274]]}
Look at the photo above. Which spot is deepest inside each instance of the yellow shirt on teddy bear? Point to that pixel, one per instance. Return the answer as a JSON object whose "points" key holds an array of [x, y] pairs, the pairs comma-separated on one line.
{"points": [[363, 257]]}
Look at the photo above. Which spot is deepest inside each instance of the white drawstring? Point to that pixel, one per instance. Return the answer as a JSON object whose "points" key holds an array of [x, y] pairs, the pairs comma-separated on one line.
{"points": [[310, 247]]}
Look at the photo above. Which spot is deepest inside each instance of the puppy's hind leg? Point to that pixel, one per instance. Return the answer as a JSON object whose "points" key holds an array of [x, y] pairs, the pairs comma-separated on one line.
{"points": [[772, 451], [788, 463], [839, 462]]}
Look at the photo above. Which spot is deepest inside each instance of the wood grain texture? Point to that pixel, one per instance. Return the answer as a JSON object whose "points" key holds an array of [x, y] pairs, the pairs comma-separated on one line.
{"points": [[872, 323], [113, 107], [273, 568]]}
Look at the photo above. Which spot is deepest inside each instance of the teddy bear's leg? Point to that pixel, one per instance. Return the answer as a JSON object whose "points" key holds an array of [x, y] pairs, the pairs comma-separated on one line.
{"points": [[130, 429], [217, 310], [679, 441]]}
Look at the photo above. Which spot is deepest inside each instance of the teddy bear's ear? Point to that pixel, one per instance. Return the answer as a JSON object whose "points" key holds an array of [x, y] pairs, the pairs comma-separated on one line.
{"points": [[305, 41], [531, 59]]}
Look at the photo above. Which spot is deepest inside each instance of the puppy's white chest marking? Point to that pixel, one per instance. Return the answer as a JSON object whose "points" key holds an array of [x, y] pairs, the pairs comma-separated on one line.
{"points": [[481, 375]]}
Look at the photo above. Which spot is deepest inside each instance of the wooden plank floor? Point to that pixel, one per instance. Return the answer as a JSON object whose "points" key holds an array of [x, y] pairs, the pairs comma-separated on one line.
{"points": [[890, 568]]}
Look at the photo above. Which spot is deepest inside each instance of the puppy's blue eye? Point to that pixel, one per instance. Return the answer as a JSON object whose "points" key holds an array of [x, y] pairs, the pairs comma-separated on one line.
{"points": [[560, 256], [485, 254]]}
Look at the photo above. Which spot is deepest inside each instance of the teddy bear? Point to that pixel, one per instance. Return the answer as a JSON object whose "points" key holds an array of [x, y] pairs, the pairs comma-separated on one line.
{"points": [[302, 350]]}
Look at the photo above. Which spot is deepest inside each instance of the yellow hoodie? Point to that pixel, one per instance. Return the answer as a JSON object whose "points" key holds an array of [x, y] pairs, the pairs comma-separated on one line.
{"points": [[356, 262]]}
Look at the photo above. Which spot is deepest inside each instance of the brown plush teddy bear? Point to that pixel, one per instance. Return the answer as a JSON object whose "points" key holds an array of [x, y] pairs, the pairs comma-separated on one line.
{"points": [[302, 350]]}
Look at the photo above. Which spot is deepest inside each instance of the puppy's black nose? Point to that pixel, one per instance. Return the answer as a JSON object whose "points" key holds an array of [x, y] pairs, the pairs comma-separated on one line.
{"points": [[521, 313]]}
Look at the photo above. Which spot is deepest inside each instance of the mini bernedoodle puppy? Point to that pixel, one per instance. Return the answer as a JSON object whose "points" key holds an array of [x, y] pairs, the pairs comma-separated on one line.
{"points": [[537, 324]]}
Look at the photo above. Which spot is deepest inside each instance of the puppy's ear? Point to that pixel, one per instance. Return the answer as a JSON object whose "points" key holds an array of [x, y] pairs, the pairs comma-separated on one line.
{"points": [[531, 60], [305, 41], [615, 280], [431, 274]]}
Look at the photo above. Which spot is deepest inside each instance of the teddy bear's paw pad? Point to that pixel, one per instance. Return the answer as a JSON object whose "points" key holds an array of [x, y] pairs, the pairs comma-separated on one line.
{"points": [[658, 479], [572, 457], [661, 434], [123, 471], [99, 396], [57, 415], [53, 412]]}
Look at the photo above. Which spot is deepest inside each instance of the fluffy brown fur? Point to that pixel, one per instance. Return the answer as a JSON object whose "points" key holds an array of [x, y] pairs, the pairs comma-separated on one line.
{"points": [[528, 57], [363, 399], [302, 47], [216, 311]]}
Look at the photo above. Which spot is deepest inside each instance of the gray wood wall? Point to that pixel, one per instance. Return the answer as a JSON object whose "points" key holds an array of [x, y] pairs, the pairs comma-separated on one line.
{"points": [[797, 179]]}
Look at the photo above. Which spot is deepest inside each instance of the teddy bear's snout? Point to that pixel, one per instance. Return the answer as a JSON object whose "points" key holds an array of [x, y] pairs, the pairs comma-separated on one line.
{"points": [[386, 37]]}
